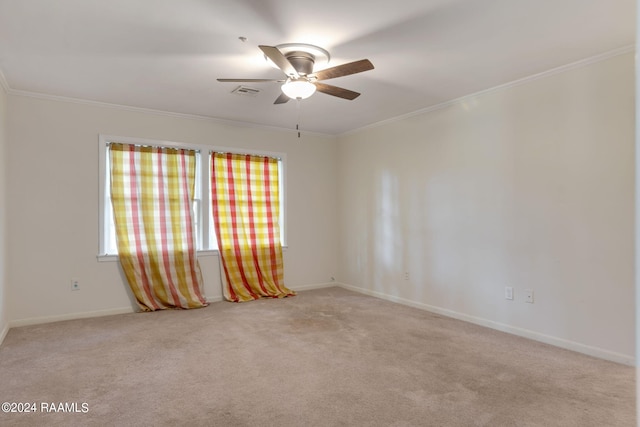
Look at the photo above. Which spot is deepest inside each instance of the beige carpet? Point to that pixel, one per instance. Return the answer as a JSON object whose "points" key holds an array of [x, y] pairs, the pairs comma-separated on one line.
{"points": [[326, 357]]}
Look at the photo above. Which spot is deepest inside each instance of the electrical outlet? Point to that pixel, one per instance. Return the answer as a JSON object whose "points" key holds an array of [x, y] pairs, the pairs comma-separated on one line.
{"points": [[528, 296], [75, 284], [508, 293], [406, 275]]}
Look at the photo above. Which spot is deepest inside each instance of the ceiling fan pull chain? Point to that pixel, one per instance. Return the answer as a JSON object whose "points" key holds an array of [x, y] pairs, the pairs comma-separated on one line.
{"points": [[298, 118]]}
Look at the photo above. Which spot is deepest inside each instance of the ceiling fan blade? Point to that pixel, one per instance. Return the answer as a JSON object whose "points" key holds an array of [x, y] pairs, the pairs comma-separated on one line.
{"points": [[274, 54], [344, 69], [282, 99], [250, 80], [336, 91]]}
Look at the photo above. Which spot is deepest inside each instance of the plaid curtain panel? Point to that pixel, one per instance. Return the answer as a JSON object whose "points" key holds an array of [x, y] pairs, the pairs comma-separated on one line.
{"points": [[245, 202], [152, 193]]}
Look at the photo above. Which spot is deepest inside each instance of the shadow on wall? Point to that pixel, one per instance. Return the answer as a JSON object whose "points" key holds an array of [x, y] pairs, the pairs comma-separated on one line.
{"points": [[389, 258]]}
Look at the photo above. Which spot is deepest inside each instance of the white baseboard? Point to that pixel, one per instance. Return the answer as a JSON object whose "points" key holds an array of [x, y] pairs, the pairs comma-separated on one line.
{"points": [[4, 332], [70, 316], [302, 288], [122, 310], [525, 333], [297, 288]]}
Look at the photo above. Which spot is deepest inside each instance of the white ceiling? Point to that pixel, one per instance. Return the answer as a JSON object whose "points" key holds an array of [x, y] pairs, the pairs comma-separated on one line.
{"points": [[166, 54]]}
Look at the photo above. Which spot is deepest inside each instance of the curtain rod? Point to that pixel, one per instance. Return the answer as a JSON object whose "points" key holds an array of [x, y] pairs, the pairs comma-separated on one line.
{"points": [[108, 143], [152, 146], [245, 154]]}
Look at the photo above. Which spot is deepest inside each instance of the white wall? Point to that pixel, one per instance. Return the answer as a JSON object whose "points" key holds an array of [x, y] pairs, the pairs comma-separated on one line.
{"points": [[53, 203], [529, 186], [4, 318]]}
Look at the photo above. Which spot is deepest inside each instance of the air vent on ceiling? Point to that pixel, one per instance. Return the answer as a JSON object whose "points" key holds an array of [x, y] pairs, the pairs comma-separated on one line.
{"points": [[246, 91]]}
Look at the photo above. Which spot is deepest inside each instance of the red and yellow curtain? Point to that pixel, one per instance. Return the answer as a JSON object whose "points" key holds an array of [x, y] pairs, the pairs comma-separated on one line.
{"points": [[245, 204], [152, 193]]}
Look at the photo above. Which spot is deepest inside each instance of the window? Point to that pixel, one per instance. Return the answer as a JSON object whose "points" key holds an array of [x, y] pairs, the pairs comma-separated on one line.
{"points": [[203, 220]]}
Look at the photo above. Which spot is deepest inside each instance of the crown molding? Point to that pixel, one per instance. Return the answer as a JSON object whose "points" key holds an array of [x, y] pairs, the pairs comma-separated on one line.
{"points": [[233, 123], [466, 98]]}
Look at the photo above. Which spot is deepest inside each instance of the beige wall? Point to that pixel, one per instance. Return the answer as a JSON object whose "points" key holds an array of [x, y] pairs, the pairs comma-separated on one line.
{"points": [[530, 186], [4, 317], [53, 209]]}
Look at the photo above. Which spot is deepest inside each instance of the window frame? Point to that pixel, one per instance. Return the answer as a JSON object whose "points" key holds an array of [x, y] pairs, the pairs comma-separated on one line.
{"points": [[205, 234]]}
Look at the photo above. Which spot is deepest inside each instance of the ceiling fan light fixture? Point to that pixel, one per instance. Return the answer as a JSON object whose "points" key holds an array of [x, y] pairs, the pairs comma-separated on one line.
{"points": [[298, 89]]}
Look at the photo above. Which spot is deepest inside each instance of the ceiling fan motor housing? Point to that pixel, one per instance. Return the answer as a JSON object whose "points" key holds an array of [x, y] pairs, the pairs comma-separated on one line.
{"points": [[301, 61]]}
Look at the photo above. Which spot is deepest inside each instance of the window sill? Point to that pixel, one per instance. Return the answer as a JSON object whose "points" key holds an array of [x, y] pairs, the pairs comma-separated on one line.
{"points": [[203, 253]]}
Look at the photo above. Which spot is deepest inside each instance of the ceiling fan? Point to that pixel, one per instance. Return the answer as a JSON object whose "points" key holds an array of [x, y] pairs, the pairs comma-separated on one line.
{"points": [[297, 61]]}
